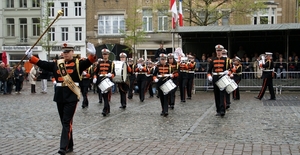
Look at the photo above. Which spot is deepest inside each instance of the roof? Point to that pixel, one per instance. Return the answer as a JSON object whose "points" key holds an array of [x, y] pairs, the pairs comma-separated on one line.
{"points": [[235, 28]]}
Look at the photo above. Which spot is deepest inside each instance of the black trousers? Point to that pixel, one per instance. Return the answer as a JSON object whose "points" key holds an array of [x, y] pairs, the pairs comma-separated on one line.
{"points": [[236, 93], [33, 88], [163, 100], [131, 86], [172, 94], [182, 87], [66, 113], [142, 88], [220, 96], [123, 88], [99, 93], [106, 108], [190, 82], [267, 82], [84, 92]]}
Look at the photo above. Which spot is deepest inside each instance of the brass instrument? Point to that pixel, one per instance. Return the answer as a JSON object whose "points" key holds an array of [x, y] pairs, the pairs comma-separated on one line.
{"points": [[59, 13]]}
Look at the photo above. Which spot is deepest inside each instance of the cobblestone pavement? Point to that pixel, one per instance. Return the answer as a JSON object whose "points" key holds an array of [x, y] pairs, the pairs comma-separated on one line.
{"points": [[30, 125]]}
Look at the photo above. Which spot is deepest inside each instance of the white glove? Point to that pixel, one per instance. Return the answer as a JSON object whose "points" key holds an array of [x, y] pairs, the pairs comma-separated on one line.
{"points": [[156, 80], [84, 73], [54, 82], [226, 72], [209, 78], [94, 80], [222, 89], [91, 48], [139, 65], [171, 75], [231, 75], [28, 53], [108, 75]]}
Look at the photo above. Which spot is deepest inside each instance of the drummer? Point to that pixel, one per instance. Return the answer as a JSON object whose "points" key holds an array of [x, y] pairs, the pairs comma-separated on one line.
{"points": [[217, 68], [237, 76], [104, 69], [141, 71], [123, 86], [132, 78], [162, 74], [174, 69], [228, 67]]}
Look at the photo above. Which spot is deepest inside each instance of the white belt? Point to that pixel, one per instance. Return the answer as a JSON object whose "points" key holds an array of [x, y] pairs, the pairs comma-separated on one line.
{"points": [[191, 71], [165, 75], [141, 72], [183, 71], [64, 84], [269, 70], [220, 73], [100, 75]]}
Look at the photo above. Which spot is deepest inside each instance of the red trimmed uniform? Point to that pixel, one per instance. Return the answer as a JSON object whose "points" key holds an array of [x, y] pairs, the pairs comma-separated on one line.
{"points": [[65, 98], [183, 69], [268, 74], [174, 69], [123, 88], [190, 79], [237, 77], [141, 80]]}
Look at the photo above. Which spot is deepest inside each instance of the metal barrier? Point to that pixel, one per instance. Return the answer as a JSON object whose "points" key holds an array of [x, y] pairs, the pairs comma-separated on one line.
{"points": [[252, 81]]}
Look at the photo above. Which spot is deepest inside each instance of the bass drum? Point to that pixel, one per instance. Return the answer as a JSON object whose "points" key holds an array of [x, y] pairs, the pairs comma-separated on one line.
{"points": [[120, 71]]}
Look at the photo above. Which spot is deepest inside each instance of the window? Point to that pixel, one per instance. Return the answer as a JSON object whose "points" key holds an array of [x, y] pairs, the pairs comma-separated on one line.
{"points": [[64, 34], [209, 19], [10, 3], [111, 24], [35, 3], [162, 20], [78, 33], [225, 17], [36, 27], [77, 8], [23, 3], [265, 16], [64, 7], [51, 34], [10, 27], [147, 20], [51, 9], [23, 30]]}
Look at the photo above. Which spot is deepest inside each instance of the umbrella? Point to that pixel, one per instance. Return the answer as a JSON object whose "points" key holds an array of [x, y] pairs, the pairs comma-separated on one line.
{"points": [[4, 58]]}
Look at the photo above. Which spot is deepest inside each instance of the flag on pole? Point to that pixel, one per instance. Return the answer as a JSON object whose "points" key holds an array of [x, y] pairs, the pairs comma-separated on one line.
{"points": [[173, 9], [180, 13]]}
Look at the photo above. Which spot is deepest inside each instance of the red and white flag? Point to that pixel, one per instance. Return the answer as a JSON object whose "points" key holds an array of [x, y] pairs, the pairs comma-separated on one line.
{"points": [[180, 13], [173, 9]]}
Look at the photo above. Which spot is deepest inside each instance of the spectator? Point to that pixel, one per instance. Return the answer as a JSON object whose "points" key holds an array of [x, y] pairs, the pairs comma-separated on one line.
{"points": [[241, 52], [10, 79], [3, 78], [44, 77], [280, 67], [159, 51], [291, 67], [19, 78], [247, 67]]}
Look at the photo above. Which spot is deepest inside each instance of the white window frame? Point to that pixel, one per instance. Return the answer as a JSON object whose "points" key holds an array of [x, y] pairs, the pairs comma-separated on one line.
{"points": [[78, 33], [23, 31], [64, 7], [269, 13], [51, 34], [225, 18], [36, 30], [50, 9], [36, 3], [64, 34], [23, 3], [77, 10], [10, 27], [163, 20], [147, 20], [10, 3], [111, 24]]}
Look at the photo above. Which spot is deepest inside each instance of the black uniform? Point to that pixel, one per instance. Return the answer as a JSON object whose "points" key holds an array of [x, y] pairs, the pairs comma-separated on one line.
{"points": [[141, 81], [229, 65], [216, 68], [132, 78], [190, 78], [102, 69], [237, 76], [84, 87], [160, 72], [174, 69], [183, 69], [123, 88], [65, 98], [267, 80], [150, 80]]}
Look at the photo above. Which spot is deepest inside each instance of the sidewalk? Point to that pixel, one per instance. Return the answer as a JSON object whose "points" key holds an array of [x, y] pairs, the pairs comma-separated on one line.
{"points": [[30, 125]]}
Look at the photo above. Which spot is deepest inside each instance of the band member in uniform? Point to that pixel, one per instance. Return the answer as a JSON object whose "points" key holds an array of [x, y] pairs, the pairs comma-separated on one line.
{"points": [[268, 74], [104, 69], [190, 76], [217, 68], [161, 74], [67, 74], [123, 86], [183, 69], [237, 76], [132, 78], [141, 71], [228, 67], [174, 69], [150, 78], [84, 86]]}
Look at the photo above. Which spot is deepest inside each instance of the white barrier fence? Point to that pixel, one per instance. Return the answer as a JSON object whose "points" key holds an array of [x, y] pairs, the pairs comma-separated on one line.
{"points": [[253, 81]]}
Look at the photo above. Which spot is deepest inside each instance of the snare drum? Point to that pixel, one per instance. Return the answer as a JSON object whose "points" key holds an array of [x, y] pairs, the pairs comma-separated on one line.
{"points": [[223, 82], [105, 85], [120, 71], [231, 87], [167, 86]]}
